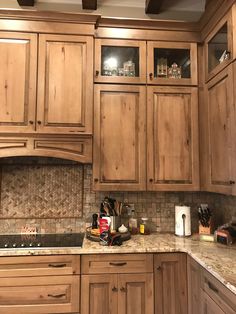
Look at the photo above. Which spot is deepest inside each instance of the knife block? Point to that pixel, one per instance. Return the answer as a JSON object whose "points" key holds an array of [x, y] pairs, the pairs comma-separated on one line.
{"points": [[206, 230]]}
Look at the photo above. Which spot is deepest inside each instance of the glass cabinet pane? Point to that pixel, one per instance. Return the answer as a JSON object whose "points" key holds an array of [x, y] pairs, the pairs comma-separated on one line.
{"points": [[120, 61], [218, 48], [172, 63]]}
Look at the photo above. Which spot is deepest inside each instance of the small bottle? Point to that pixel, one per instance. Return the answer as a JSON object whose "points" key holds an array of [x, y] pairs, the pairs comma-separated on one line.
{"points": [[133, 223], [144, 228]]}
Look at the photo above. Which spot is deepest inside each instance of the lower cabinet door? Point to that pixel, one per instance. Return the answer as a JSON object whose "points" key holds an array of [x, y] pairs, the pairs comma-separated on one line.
{"points": [[208, 306], [99, 294], [135, 294], [170, 270], [48, 294]]}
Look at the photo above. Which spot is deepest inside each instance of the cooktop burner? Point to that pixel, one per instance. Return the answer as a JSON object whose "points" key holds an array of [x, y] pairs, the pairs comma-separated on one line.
{"points": [[47, 240]]}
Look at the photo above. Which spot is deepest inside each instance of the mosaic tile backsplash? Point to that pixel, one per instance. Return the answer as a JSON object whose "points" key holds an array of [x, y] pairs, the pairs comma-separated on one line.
{"points": [[57, 197]]}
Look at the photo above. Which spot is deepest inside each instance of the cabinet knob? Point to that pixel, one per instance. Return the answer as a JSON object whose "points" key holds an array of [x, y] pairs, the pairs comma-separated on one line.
{"points": [[122, 289], [114, 289], [39, 122], [151, 76], [158, 267], [97, 73], [231, 182], [31, 122], [150, 180], [96, 180]]}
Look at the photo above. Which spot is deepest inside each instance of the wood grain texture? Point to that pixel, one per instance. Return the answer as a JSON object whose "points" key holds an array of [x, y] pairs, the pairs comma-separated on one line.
{"points": [[172, 133], [18, 62], [119, 138], [136, 294], [208, 306], [99, 294], [219, 95], [170, 273], [117, 263], [70, 147], [65, 84], [28, 266], [48, 294], [194, 285]]}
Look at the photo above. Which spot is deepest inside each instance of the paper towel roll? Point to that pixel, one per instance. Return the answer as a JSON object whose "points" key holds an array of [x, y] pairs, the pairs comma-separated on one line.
{"points": [[182, 221]]}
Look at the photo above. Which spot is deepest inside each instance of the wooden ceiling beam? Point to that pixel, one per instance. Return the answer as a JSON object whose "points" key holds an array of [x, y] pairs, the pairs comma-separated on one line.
{"points": [[153, 6], [26, 2], [89, 4]]}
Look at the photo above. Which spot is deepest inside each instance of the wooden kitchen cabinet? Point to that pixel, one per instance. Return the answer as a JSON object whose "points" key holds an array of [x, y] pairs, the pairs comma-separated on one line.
{"points": [[40, 284], [170, 277], [194, 285], [116, 290], [119, 146], [219, 126], [172, 63], [65, 84], [215, 297], [172, 139], [120, 61], [18, 64]]}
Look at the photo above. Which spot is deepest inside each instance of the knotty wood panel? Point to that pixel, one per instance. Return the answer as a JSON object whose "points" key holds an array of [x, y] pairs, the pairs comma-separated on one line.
{"points": [[17, 81], [172, 138], [65, 84], [119, 138], [135, 294], [194, 285], [99, 294]]}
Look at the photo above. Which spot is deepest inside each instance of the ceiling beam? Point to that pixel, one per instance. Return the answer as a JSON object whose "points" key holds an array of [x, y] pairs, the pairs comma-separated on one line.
{"points": [[26, 2], [89, 4], [153, 6]]}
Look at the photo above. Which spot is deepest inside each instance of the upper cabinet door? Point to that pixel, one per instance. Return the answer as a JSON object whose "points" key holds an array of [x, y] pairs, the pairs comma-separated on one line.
{"points": [[220, 100], [120, 61], [18, 64], [219, 47], [65, 84], [172, 63], [172, 139], [119, 146]]}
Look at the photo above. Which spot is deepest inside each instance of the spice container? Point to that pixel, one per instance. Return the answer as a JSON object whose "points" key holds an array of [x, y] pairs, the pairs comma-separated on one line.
{"points": [[144, 227]]}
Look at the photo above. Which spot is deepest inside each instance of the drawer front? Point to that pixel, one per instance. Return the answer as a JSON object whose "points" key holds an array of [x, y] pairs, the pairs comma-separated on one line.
{"points": [[221, 295], [39, 265], [55, 294], [117, 263]]}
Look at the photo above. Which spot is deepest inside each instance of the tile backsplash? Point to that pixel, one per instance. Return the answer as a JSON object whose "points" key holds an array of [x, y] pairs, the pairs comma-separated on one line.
{"points": [[57, 196]]}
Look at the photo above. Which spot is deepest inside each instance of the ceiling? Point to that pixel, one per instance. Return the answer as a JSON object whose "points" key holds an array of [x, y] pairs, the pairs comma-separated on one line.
{"points": [[184, 10]]}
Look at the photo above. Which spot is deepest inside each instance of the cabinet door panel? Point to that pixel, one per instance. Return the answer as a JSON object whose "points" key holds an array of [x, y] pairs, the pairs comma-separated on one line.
{"points": [[18, 53], [119, 138], [170, 283], [65, 84], [99, 294], [172, 139], [209, 306], [135, 294], [220, 99], [194, 286]]}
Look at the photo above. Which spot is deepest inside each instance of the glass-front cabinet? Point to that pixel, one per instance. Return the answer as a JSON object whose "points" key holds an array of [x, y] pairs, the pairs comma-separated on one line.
{"points": [[218, 47], [120, 61], [172, 63]]}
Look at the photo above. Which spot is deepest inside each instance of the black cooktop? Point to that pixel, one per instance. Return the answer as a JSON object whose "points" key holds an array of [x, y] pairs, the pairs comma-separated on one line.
{"points": [[47, 240]]}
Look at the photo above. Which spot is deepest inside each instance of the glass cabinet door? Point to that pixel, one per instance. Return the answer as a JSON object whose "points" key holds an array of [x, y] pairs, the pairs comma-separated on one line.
{"points": [[120, 61], [218, 47], [172, 63]]}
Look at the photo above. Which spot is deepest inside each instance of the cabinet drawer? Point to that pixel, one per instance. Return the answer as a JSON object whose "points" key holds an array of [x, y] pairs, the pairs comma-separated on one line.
{"points": [[55, 294], [39, 265], [222, 296], [117, 263]]}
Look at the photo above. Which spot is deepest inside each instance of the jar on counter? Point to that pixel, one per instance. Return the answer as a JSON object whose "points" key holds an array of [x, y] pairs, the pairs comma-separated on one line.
{"points": [[144, 226]]}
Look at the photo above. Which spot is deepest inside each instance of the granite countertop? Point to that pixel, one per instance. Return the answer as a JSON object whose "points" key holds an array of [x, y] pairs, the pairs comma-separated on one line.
{"points": [[218, 259]]}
